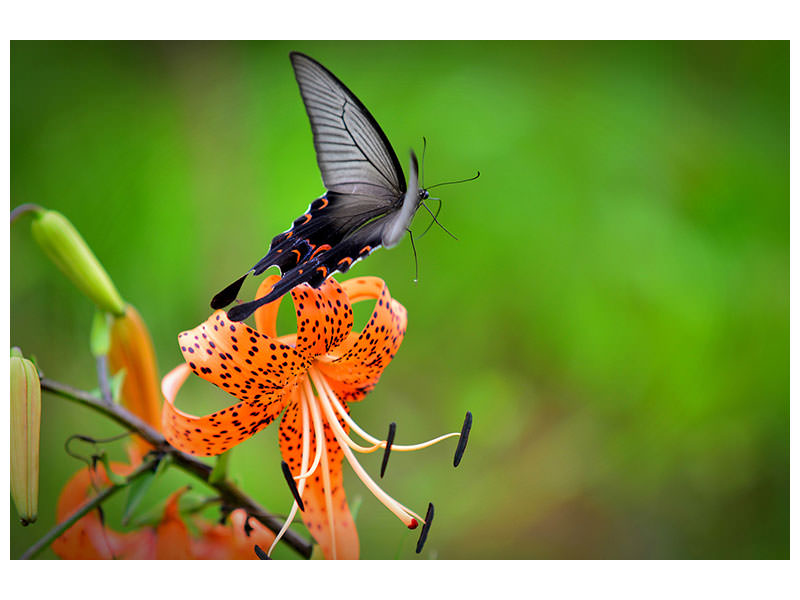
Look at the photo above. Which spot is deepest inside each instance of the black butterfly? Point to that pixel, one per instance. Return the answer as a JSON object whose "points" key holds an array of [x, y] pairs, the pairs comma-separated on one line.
{"points": [[367, 205]]}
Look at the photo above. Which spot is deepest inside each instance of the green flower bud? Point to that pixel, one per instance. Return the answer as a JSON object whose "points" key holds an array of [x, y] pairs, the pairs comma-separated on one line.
{"points": [[67, 249], [26, 412]]}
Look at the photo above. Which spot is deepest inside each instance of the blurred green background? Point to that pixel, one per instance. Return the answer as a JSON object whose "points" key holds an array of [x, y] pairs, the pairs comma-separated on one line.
{"points": [[615, 312]]}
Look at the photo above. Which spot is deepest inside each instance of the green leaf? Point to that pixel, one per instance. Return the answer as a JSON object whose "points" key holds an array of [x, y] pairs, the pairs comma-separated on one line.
{"points": [[188, 504], [117, 379], [136, 492], [220, 470], [191, 503], [165, 462], [100, 336]]}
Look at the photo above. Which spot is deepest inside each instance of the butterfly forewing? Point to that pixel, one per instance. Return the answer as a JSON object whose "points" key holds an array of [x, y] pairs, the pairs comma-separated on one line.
{"points": [[353, 153]]}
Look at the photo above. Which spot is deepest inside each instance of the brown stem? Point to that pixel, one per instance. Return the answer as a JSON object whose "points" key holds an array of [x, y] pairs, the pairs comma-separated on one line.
{"points": [[227, 489]]}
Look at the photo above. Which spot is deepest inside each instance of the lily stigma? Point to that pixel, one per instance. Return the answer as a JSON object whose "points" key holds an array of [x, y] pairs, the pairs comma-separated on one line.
{"points": [[313, 375]]}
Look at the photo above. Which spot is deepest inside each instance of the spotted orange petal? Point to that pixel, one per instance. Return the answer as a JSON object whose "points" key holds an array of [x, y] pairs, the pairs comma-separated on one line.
{"points": [[217, 432], [326, 515], [324, 316], [239, 359], [355, 366]]}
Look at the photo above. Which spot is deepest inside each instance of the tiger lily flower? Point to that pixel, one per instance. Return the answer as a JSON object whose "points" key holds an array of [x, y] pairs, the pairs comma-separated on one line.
{"points": [[90, 539], [314, 375]]}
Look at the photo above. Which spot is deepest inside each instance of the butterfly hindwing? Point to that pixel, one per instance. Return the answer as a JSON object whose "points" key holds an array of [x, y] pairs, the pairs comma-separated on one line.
{"points": [[328, 221], [322, 265]]}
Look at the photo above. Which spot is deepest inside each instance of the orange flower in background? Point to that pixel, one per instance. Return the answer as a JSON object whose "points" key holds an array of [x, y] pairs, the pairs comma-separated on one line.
{"points": [[89, 539], [131, 349], [314, 375]]}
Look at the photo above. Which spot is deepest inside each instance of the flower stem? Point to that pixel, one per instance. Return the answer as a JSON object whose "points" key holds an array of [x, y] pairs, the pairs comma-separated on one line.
{"points": [[22, 209], [232, 495]]}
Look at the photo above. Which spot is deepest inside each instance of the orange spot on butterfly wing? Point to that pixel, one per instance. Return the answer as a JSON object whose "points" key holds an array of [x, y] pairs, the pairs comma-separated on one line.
{"points": [[322, 248]]}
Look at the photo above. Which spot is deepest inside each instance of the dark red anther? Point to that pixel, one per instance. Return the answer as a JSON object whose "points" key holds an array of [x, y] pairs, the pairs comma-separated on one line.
{"points": [[413, 524]]}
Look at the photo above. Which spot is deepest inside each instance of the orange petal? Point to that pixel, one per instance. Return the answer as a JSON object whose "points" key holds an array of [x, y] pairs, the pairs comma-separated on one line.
{"points": [[239, 359], [248, 532], [132, 349], [233, 541], [315, 515], [219, 431], [267, 315], [356, 365], [172, 535], [88, 539], [324, 317]]}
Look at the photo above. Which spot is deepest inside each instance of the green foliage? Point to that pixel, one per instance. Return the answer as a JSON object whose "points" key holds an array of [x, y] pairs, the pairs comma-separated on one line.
{"points": [[615, 313]]}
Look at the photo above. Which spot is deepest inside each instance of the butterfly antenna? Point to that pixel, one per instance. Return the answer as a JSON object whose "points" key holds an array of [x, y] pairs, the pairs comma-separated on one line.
{"points": [[452, 182], [416, 262], [437, 222], [431, 223], [422, 166]]}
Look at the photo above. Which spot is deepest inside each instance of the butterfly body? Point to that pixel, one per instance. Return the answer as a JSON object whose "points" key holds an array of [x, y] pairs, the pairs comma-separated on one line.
{"points": [[368, 203]]}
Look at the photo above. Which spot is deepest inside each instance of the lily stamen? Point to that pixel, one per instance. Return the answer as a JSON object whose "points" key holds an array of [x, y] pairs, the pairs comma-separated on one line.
{"points": [[423, 535], [319, 433], [388, 449], [287, 474], [318, 454], [302, 482], [379, 443], [407, 516]]}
